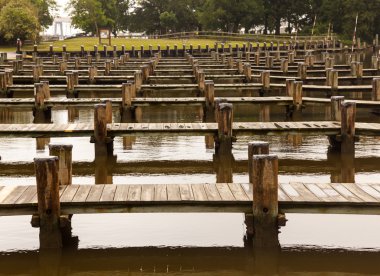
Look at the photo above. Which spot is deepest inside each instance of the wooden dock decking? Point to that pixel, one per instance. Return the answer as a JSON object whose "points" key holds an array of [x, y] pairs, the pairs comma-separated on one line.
{"points": [[184, 129], [334, 198]]}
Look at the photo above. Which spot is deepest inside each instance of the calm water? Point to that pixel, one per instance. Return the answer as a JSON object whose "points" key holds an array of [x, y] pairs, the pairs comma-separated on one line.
{"points": [[198, 244]]}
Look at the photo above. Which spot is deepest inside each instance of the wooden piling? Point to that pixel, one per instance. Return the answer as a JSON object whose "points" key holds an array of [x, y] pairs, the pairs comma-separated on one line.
{"points": [[332, 78], [224, 120], [255, 148], [289, 90], [247, 72], [64, 154], [209, 93], [297, 95], [348, 128], [336, 108], [284, 65], [100, 130], [376, 89], [302, 71], [49, 211], [92, 74], [265, 80], [264, 177]]}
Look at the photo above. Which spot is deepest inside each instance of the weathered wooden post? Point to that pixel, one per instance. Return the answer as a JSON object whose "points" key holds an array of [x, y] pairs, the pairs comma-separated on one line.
{"points": [[247, 72], [55, 59], [100, 138], [224, 120], [37, 72], [289, 89], [239, 64], [230, 62], [254, 148], [336, 108], [302, 71], [376, 89], [3, 84], [62, 67], [332, 79], [92, 74], [127, 110], [348, 128], [138, 79], [41, 113], [64, 154], [257, 58], [265, 81], [176, 50], [209, 110], [49, 210], [265, 200], [107, 68], [291, 57], [297, 95], [284, 65], [72, 79], [269, 62], [77, 63]]}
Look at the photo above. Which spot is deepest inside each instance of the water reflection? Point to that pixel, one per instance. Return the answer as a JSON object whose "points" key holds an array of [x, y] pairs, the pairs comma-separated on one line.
{"points": [[194, 261]]}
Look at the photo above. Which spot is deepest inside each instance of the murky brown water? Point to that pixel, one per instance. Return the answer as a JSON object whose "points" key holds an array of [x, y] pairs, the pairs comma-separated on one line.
{"points": [[199, 244]]}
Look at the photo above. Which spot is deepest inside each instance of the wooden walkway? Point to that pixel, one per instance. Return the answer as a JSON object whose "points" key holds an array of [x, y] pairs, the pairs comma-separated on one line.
{"points": [[184, 129], [90, 102], [333, 198]]}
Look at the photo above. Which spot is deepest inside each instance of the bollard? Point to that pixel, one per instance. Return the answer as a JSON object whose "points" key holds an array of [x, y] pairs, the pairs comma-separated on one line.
{"points": [[64, 154], [49, 211], [336, 108]]}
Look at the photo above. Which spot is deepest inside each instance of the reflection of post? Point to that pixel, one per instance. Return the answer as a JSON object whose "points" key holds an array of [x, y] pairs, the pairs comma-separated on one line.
{"points": [[41, 142], [264, 115], [49, 261], [128, 142], [295, 139], [224, 167], [73, 114], [209, 141]]}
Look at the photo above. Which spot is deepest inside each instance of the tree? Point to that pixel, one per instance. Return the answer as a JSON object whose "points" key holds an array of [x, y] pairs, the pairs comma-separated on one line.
{"points": [[19, 19], [90, 15], [146, 16], [168, 20], [230, 16], [45, 7]]}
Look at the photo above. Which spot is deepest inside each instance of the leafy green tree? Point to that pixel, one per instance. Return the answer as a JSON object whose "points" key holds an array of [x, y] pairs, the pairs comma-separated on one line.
{"points": [[168, 20], [230, 15], [19, 19], [146, 16], [45, 7], [90, 15]]}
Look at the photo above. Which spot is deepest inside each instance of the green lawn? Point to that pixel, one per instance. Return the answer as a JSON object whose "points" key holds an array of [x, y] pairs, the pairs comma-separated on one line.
{"points": [[89, 42]]}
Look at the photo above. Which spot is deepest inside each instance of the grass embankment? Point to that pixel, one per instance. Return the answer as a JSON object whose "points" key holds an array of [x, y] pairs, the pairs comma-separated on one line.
{"points": [[89, 42]]}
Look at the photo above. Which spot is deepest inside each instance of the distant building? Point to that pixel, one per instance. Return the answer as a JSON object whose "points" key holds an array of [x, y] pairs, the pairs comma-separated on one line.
{"points": [[61, 28]]}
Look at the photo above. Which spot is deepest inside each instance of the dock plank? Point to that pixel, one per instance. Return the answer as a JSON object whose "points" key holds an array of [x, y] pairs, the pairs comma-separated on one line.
{"points": [[82, 193], [27, 195], [212, 192], [161, 193], [173, 192], [69, 193], [14, 195], [121, 194], [225, 192], [238, 192], [147, 192], [134, 193], [199, 192], [186, 192], [108, 193], [95, 193]]}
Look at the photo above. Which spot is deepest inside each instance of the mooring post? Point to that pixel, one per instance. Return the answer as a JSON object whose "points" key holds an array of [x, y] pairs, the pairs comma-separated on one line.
{"points": [[297, 95], [376, 89], [209, 109], [49, 211], [92, 74], [264, 177], [265, 81], [138, 80], [72, 79], [336, 108], [62, 67], [254, 148], [224, 120], [127, 110], [100, 130], [107, 68], [201, 80], [284, 65], [247, 72], [332, 79], [36, 72], [64, 154], [289, 87], [348, 128], [269, 62], [302, 71]]}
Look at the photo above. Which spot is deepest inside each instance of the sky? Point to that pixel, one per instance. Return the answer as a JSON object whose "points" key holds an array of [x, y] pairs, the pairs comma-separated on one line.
{"points": [[61, 9]]}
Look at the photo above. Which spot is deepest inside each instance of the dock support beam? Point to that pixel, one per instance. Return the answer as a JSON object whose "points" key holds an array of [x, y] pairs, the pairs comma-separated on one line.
{"points": [[48, 202]]}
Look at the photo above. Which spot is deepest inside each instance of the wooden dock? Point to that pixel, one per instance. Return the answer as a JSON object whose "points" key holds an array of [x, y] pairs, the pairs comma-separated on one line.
{"points": [[335, 198]]}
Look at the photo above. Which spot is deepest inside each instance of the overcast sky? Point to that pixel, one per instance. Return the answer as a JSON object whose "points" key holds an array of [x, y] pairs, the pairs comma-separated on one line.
{"points": [[61, 9]]}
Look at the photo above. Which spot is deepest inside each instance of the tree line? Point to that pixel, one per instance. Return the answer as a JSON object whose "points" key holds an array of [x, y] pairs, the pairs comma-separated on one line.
{"points": [[25, 18]]}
